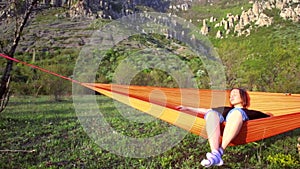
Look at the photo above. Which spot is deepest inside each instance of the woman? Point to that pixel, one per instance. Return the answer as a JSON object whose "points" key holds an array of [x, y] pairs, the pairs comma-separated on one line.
{"points": [[240, 101]]}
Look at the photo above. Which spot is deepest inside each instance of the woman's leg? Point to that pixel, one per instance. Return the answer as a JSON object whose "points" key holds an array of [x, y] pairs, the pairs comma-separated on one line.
{"points": [[233, 125], [213, 130]]}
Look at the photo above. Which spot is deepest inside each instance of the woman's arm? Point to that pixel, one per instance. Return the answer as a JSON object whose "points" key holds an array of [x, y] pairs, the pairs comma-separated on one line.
{"points": [[192, 109]]}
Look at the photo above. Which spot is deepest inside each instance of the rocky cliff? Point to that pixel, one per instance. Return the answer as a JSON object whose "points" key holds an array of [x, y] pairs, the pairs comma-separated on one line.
{"points": [[73, 27]]}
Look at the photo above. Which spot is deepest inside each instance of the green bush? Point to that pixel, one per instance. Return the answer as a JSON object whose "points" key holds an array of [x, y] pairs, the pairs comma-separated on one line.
{"points": [[282, 161]]}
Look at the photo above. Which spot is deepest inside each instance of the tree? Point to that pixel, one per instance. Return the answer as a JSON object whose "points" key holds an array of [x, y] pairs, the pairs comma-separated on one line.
{"points": [[21, 11]]}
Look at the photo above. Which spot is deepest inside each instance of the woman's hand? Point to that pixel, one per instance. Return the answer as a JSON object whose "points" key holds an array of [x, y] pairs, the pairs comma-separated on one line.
{"points": [[182, 108]]}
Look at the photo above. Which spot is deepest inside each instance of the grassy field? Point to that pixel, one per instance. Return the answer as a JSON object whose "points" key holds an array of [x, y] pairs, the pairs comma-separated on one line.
{"points": [[37, 132]]}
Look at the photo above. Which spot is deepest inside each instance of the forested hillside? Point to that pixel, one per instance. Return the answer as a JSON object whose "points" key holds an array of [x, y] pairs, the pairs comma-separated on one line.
{"points": [[267, 58]]}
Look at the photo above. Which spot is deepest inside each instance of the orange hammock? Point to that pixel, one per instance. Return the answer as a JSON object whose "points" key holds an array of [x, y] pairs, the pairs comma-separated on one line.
{"points": [[161, 103]]}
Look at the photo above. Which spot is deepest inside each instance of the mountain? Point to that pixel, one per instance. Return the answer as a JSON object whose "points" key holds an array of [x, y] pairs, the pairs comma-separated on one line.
{"points": [[256, 41]]}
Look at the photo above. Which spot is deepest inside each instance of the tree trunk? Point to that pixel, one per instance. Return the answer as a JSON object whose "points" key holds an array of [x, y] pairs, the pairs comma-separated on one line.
{"points": [[5, 80]]}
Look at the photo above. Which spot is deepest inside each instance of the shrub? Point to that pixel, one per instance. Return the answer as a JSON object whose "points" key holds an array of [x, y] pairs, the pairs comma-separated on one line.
{"points": [[282, 160]]}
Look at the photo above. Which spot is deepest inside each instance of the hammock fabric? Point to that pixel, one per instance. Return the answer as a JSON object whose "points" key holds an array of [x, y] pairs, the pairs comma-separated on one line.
{"points": [[283, 108], [162, 102]]}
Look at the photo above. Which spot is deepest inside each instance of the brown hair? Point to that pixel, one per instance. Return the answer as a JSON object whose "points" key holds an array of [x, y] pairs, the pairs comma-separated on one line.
{"points": [[244, 97]]}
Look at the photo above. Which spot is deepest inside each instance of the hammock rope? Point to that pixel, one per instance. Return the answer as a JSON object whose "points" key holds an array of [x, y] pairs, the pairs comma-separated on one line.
{"points": [[284, 108], [39, 68]]}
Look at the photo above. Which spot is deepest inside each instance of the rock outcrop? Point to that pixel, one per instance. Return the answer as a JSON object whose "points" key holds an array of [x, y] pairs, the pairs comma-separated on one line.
{"points": [[204, 29], [255, 16], [80, 9]]}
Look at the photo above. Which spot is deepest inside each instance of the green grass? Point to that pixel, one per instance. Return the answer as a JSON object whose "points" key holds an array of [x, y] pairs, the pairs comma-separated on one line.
{"points": [[50, 136], [219, 10], [49, 15]]}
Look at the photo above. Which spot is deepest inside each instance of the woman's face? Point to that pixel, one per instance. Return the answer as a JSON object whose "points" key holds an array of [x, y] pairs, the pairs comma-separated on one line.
{"points": [[235, 97]]}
